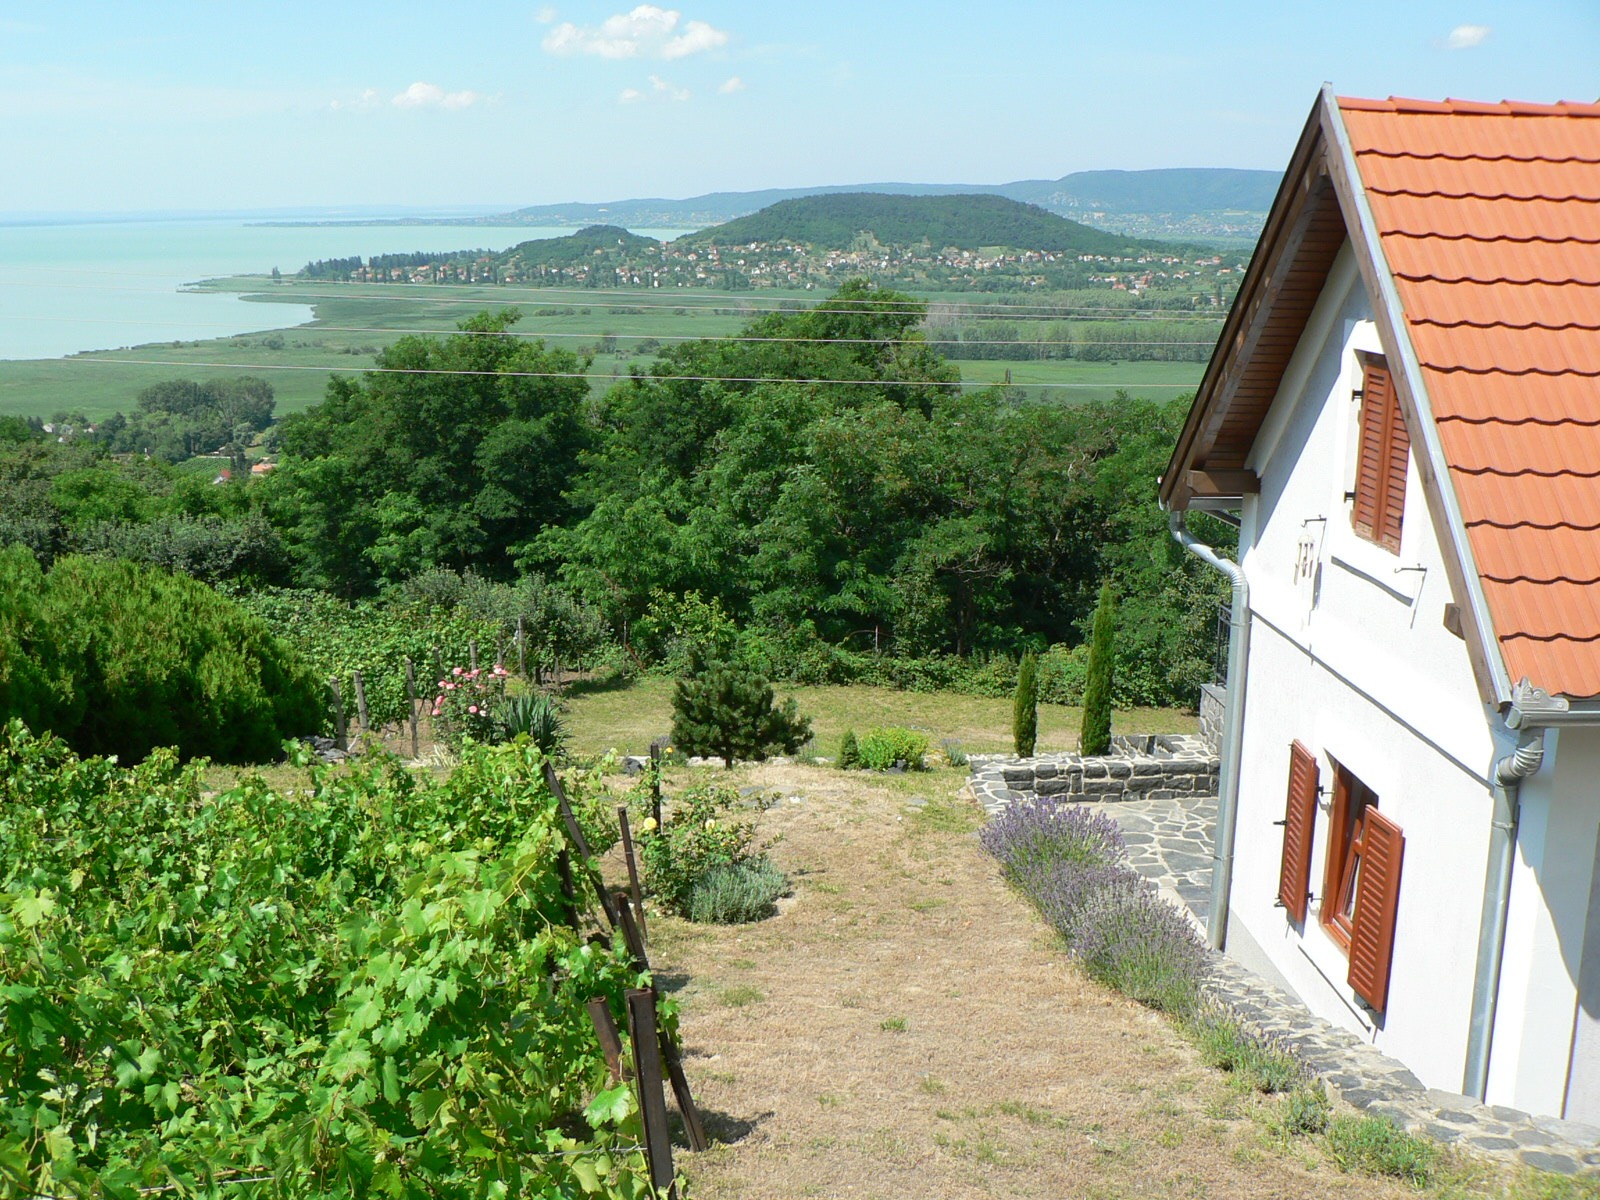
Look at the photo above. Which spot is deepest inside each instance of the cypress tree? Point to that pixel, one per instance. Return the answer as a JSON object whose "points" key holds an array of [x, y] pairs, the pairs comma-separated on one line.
{"points": [[849, 751], [1096, 735], [1025, 706]]}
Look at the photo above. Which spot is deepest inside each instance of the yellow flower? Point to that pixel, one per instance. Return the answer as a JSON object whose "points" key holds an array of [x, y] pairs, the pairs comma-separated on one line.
{"points": [[647, 824], [711, 824]]}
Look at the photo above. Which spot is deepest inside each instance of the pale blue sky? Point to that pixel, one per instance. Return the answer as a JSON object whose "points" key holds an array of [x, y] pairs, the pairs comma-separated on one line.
{"points": [[182, 105]]}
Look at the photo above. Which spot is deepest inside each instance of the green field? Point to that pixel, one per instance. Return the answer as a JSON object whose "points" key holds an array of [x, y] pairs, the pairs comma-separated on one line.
{"points": [[354, 321], [1087, 381]]}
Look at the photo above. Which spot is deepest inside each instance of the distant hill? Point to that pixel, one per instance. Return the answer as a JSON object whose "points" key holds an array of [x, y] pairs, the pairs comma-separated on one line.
{"points": [[580, 246], [1178, 196], [834, 221], [1177, 190]]}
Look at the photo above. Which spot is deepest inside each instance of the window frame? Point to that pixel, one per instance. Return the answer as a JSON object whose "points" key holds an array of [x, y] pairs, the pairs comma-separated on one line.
{"points": [[1346, 844]]}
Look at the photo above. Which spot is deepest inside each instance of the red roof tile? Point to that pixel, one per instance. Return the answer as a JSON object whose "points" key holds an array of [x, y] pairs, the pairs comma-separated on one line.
{"points": [[1489, 219]]}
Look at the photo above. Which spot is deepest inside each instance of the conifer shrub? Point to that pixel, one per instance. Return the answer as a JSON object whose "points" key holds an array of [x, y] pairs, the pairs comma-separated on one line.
{"points": [[1096, 733], [849, 751], [1025, 706], [118, 658], [728, 710]]}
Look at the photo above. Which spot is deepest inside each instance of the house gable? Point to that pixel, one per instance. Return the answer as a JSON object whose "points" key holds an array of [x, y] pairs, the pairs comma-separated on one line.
{"points": [[1477, 242]]}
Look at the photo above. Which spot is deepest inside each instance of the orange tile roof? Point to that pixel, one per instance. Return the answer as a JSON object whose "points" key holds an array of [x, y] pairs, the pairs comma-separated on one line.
{"points": [[1489, 219]]}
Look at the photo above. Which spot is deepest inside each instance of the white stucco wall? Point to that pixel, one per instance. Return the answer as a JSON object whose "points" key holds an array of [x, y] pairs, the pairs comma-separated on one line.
{"points": [[1349, 654], [1545, 934]]}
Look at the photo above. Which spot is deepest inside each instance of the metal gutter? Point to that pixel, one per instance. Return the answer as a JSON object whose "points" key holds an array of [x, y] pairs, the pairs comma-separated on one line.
{"points": [[1426, 433], [1506, 788], [1232, 730]]}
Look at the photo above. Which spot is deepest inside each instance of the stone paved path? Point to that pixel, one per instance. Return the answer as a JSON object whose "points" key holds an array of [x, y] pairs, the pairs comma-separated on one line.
{"points": [[1169, 842]]}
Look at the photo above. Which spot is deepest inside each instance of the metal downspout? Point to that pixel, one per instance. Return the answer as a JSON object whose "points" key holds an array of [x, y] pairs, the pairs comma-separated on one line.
{"points": [[1507, 779], [1232, 731]]}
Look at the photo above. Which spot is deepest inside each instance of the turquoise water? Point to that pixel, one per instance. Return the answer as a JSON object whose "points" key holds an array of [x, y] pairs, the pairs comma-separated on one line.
{"points": [[105, 286]]}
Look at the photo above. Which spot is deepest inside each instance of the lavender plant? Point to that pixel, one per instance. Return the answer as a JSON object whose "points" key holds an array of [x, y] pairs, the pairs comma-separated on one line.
{"points": [[1033, 836], [1073, 865], [1134, 941]]}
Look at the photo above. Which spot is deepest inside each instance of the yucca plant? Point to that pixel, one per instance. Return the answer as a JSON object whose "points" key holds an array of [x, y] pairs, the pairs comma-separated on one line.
{"points": [[536, 715]]}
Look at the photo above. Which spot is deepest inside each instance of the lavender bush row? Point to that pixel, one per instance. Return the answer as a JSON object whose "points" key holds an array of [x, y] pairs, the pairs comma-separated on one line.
{"points": [[1073, 865]]}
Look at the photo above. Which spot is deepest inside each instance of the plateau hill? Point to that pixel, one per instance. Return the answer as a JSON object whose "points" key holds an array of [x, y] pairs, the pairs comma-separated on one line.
{"points": [[835, 221]]}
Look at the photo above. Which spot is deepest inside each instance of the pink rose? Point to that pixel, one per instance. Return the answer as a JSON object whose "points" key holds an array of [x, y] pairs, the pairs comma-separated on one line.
{"points": [[473, 709]]}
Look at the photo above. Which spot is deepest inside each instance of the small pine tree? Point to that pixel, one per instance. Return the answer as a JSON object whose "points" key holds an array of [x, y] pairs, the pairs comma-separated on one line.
{"points": [[1025, 706], [849, 751], [1096, 735], [728, 710]]}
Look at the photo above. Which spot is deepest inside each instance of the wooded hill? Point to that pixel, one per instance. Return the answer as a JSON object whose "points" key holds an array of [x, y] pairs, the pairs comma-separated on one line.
{"points": [[577, 247], [967, 222]]}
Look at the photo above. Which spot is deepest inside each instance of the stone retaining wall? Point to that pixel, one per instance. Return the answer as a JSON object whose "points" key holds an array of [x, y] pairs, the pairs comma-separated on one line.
{"points": [[1142, 767]]}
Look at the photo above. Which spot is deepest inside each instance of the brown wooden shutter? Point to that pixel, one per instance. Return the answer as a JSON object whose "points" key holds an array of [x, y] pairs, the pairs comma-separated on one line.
{"points": [[1377, 901], [1380, 491], [1299, 819], [1397, 452], [1370, 463]]}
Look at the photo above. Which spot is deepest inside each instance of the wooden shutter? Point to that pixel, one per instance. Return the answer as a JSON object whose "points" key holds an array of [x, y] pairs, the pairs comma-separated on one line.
{"points": [[1377, 901], [1299, 819], [1380, 492]]}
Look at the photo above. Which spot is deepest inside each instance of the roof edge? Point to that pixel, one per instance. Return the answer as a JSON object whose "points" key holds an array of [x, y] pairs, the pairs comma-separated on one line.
{"points": [[1488, 660], [1173, 492]]}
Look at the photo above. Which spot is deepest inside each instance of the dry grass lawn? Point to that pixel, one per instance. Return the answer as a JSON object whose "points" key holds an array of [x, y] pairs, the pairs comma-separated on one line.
{"points": [[905, 1027], [624, 717]]}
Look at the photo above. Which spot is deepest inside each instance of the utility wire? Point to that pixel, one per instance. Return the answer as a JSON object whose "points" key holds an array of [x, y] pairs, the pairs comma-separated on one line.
{"points": [[929, 337], [642, 378], [713, 307]]}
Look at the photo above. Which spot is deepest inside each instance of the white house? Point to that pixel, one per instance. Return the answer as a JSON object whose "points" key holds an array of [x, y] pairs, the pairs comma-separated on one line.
{"points": [[1403, 412]]}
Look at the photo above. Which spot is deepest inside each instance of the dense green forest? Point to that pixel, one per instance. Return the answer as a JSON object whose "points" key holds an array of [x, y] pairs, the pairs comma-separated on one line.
{"points": [[967, 222], [818, 496]]}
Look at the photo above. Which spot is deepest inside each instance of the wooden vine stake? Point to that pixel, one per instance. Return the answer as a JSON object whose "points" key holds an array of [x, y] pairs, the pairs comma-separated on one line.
{"points": [[339, 739], [670, 1054], [605, 1030], [522, 650], [633, 869], [472, 654], [581, 845], [569, 890], [652, 1096], [361, 704], [411, 706], [655, 783]]}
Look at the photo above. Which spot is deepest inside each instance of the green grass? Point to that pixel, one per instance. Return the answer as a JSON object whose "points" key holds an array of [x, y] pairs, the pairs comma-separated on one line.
{"points": [[1088, 380], [626, 717], [354, 321]]}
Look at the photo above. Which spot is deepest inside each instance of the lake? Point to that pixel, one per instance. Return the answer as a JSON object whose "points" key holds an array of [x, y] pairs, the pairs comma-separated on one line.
{"points": [[108, 285]]}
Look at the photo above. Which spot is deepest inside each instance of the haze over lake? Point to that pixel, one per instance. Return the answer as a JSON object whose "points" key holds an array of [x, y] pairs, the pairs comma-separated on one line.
{"points": [[103, 285]]}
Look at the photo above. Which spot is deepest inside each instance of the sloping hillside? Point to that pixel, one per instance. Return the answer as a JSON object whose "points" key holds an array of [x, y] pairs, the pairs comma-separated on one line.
{"points": [[967, 222]]}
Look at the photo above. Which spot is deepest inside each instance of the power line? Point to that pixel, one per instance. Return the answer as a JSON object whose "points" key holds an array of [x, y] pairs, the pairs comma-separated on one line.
{"points": [[714, 307], [933, 383], [526, 335]]}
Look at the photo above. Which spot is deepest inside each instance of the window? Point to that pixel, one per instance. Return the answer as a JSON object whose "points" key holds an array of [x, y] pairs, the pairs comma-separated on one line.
{"points": [[1361, 888], [1351, 800], [1380, 491]]}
